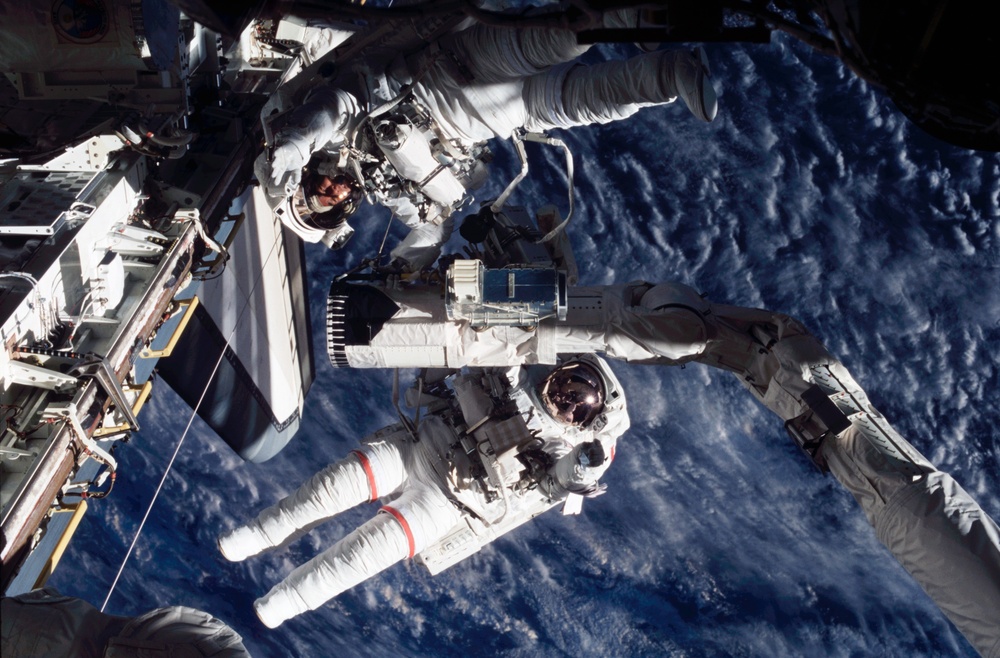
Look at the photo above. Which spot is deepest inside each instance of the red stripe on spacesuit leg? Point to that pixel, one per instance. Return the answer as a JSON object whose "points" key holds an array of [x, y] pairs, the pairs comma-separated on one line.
{"points": [[367, 465], [406, 528]]}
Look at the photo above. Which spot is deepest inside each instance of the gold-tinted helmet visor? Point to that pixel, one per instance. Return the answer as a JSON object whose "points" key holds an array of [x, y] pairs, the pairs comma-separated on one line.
{"points": [[574, 394]]}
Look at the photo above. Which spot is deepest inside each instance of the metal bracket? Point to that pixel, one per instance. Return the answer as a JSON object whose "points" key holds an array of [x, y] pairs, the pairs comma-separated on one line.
{"points": [[77, 510], [140, 400], [134, 241], [68, 412], [809, 444], [28, 374], [101, 371], [823, 419], [168, 349]]}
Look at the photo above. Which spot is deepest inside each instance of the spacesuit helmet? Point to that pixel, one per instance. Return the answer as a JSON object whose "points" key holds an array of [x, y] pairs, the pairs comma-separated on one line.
{"points": [[325, 199], [574, 393]]}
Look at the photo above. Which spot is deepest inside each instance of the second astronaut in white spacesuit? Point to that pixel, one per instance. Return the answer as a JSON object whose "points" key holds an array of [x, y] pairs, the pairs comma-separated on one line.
{"points": [[496, 448], [438, 109]]}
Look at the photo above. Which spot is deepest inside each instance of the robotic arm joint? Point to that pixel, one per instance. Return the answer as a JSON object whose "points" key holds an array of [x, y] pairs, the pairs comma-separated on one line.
{"points": [[810, 429]]}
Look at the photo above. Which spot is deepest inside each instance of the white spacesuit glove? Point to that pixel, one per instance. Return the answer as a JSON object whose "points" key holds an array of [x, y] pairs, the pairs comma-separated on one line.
{"points": [[280, 172], [320, 124]]}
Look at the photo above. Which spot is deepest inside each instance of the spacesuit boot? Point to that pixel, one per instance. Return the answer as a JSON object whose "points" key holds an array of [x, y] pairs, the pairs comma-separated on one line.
{"points": [[242, 542], [691, 79], [493, 54]]}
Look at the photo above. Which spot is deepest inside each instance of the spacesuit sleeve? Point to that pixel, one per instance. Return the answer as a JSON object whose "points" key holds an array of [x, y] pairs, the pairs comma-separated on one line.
{"points": [[177, 630], [931, 525], [44, 622], [422, 246], [573, 473], [322, 122]]}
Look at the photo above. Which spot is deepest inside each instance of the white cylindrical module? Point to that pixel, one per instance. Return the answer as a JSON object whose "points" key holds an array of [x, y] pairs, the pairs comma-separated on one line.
{"points": [[374, 326]]}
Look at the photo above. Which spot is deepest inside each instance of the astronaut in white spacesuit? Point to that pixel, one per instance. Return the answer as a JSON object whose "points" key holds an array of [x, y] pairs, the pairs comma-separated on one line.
{"points": [[496, 448], [422, 148]]}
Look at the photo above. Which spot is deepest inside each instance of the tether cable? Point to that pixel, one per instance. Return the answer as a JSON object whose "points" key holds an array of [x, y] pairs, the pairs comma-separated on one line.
{"points": [[194, 413]]}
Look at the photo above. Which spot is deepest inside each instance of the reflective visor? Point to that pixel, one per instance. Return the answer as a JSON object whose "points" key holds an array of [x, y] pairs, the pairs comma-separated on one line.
{"points": [[574, 394]]}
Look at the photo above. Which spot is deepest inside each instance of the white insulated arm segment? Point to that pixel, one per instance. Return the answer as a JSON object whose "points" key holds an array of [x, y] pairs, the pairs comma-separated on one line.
{"points": [[375, 326], [929, 523]]}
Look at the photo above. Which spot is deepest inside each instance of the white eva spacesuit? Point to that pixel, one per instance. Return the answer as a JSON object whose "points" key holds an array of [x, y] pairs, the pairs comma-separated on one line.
{"points": [[417, 142], [496, 448]]}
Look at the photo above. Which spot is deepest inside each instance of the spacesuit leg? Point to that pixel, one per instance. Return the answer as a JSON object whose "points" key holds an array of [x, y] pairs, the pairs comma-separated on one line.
{"points": [[375, 470], [931, 525], [578, 95], [496, 54], [375, 546], [418, 518], [493, 54]]}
